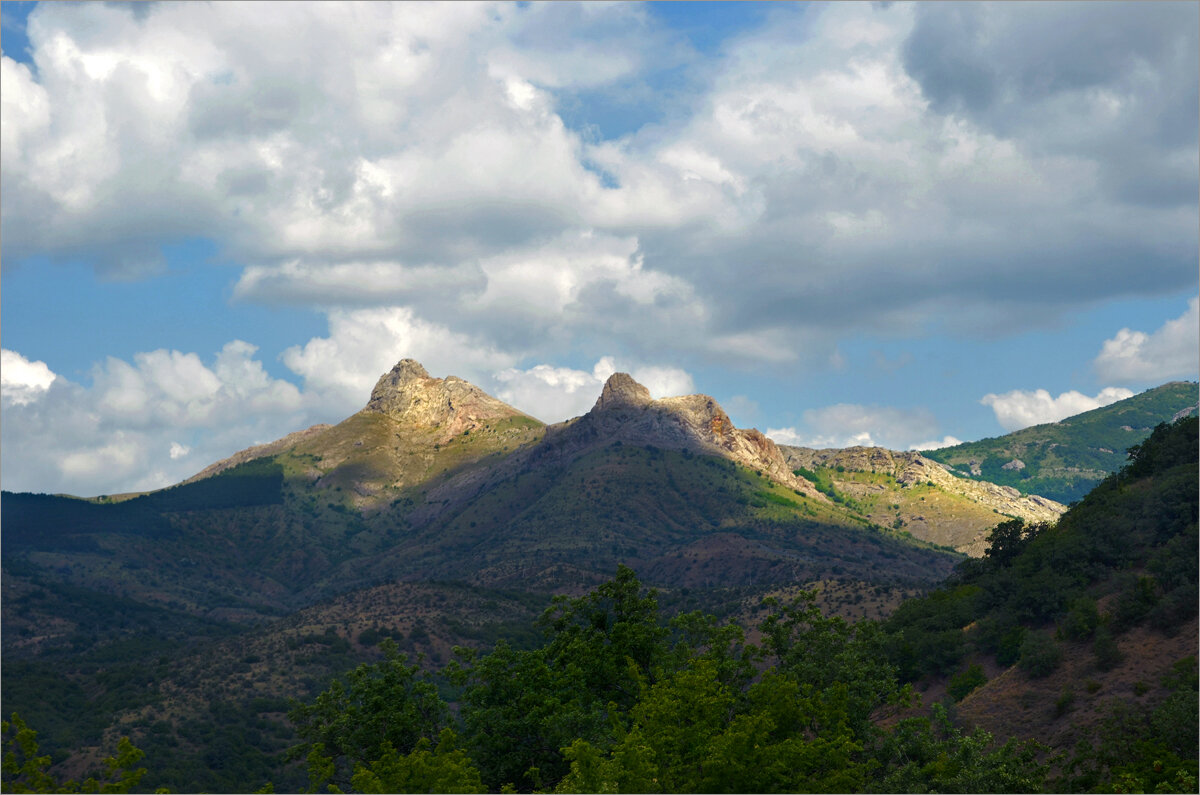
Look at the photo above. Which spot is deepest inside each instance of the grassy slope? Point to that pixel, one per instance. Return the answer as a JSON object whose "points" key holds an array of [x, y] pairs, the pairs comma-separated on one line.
{"points": [[919, 510], [1065, 460]]}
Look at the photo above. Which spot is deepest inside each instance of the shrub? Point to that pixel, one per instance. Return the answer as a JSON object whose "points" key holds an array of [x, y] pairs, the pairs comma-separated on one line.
{"points": [[1104, 646], [1040, 655], [1138, 596], [1066, 700], [1081, 620], [963, 682]]}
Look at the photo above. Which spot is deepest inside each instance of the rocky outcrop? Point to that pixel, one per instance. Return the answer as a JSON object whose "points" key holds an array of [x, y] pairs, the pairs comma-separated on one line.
{"points": [[622, 392], [625, 412], [409, 395], [911, 468]]}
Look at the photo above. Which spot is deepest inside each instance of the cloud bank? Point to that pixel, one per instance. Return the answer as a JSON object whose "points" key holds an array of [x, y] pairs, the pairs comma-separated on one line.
{"points": [[843, 165], [140, 425], [853, 425]]}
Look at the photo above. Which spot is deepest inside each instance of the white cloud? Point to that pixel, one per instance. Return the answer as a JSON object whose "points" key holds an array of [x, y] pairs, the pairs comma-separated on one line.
{"points": [[1020, 409], [434, 178], [811, 177], [1173, 351], [554, 394], [851, 425], [947, 441], [141, 425], [340, 370], [22, 381]]}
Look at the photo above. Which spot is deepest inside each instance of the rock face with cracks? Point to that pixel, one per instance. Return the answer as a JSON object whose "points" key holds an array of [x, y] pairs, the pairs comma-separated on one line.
{"points": [[410, 396]]}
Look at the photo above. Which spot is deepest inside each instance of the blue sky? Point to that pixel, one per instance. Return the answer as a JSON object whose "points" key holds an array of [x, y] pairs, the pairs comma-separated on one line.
{"points": [[887, 224]]}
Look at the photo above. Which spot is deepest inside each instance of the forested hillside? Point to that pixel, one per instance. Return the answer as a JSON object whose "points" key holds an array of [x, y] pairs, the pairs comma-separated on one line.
{"points": [[616, 699]]}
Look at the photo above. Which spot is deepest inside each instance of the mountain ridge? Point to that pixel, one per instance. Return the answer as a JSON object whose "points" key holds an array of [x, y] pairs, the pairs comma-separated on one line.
{"points": [[1064, 460]]}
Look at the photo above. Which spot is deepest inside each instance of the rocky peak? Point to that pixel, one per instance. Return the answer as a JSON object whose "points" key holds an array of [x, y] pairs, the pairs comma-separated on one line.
{"points": [[410, 395], [626, 412], [396, 382], [622, 391]]}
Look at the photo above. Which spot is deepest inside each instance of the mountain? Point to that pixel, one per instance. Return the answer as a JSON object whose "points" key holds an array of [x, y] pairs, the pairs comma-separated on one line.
{"points": [[1064, 460], [439, 516], [436, 514]]}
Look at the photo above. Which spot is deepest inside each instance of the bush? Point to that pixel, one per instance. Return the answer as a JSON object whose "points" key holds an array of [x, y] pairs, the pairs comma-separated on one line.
{"points": [[1066, 700], [1001, 635], [963, 682], [1108, 656], [1040, 655], [1081, 620], [1138, 596]]}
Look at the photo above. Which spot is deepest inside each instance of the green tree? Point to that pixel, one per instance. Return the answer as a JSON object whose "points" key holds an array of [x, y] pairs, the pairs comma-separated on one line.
{"points": [[446, 768], [518, 712], [966, 680], [1040, 655], [837, 660], [931, 754], [520, 709], [381, 705], [23, 769], [612, 635]]}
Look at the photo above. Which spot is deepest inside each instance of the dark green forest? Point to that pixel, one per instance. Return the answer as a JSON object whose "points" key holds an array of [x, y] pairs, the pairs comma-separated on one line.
{"points": [[617, 695]]}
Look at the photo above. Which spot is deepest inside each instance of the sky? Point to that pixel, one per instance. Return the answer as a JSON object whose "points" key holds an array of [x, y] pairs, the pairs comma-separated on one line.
{"points": [[851, 223]]}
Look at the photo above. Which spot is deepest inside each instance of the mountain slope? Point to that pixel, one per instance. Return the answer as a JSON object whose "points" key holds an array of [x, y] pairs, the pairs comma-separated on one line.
{"points": [[1085, 630], [273, 563], [1065, 460], [909, 492], [436, 479]]}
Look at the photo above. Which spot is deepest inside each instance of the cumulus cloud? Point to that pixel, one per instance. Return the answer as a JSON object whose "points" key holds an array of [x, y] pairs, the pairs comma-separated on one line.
{"points": [[428, 176], [844, 165], [124, 431], [947, 441], [554, 394], [851, 425], [340, 370], [1020, 408], [1173, 351], [22, 381]]}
